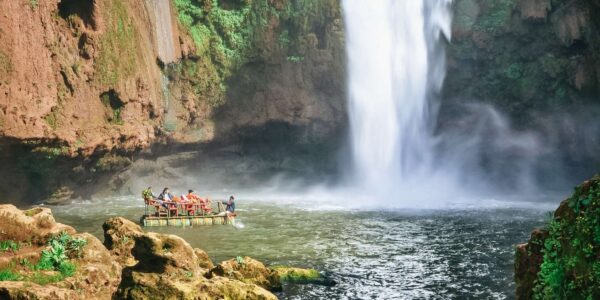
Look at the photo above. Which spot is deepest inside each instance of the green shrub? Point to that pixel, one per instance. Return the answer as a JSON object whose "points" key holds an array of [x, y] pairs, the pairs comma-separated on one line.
{"points": [[570, 267], [9, 245], [67, 269], [9, 275]]}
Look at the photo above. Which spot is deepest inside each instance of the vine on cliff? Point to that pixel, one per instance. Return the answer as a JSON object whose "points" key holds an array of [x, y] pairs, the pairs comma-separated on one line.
{"points": [[571, 263]]}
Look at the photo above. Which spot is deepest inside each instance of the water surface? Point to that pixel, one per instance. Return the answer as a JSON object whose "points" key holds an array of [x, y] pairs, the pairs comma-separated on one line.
{"points": [[402, 254]]}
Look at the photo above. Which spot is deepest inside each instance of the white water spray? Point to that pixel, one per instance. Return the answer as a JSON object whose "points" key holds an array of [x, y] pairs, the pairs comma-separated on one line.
{"points": [[396, 65]]}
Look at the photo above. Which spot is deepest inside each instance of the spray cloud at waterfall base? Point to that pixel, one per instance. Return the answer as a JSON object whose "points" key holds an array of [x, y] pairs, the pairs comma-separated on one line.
{"points": [[400, 156]]}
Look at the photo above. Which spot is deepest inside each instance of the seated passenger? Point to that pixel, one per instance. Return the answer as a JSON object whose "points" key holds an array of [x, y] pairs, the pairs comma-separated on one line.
{"points": [[166, 195], [193, 197]]}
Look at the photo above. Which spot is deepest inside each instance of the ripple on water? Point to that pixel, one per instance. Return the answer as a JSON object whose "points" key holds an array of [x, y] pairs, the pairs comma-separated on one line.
{"points": [[452, 254]]}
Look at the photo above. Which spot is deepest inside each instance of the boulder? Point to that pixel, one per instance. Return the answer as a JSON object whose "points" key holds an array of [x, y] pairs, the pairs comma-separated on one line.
{"points": [[14, 290], [97, 274], [302, 276], [248, 270], [119, 235], [35, 225], [169, 268], [204, 261]]}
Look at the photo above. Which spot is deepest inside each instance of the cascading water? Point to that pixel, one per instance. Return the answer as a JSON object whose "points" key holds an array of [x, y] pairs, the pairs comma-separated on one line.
{"points": [[396, 66], [165, 43]]}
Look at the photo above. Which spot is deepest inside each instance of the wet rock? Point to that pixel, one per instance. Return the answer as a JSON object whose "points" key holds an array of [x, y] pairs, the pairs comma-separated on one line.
{"points": [[119, 235], [248, 270], [302, 276]]}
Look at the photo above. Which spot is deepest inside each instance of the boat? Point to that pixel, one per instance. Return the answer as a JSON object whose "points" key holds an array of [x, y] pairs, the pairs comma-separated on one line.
{"points": [[184, 214]]}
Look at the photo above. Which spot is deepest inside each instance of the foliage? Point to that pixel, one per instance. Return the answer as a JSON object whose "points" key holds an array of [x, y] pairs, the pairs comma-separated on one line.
{"points": [[239, 260], [9, 245], [9, 275], [6, 66], [73, 246], [570, 267], [52, 120], [499, 17], [112, 162], [33, 4], [295, 58], [118, 45], [51, 153]]}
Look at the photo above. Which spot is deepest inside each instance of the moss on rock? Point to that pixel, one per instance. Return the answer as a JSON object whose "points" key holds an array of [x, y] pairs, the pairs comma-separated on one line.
{"points": [[301, 276]]}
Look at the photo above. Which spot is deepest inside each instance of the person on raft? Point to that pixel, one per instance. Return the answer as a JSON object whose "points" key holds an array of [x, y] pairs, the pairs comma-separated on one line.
{"points": [[147, 194], [230, 205], [166, 195]]}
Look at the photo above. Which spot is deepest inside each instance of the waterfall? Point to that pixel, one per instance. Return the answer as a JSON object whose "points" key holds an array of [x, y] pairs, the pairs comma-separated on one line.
{"points": [[163, 26], [396, 65]]}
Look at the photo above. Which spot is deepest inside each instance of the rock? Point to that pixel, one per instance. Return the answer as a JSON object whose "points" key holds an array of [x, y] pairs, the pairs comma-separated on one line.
{"points": [[302, 276], [119, 235], [248, 270], [204, 261], [35, 225], [97, 274], [561, 261], [168, 268], [528, 258], [15, 290], [534, 9], [571, 22]]}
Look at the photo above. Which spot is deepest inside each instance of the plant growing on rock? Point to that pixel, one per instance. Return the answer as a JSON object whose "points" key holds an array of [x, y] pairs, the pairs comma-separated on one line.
{"points": [[9, 245], [571, 267]]}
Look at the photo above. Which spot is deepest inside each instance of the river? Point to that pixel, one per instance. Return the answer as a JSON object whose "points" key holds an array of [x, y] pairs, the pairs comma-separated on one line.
{"points": [[457, 253]]}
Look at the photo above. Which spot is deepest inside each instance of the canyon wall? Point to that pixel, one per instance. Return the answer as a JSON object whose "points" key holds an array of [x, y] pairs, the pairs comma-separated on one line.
{"points": [[87, 87]]}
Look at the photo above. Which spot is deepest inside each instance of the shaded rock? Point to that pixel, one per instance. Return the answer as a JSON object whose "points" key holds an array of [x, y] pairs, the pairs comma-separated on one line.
{"points": [[534, 9], [36, 225], [204, 261], [169, 268], [119, 235], [27, 290], [248, 270], [528, 258]]}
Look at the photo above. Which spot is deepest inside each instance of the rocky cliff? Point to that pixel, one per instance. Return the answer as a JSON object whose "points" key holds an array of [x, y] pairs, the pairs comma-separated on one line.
{"points": [[86, 84], [562, 261], [525, 56]]}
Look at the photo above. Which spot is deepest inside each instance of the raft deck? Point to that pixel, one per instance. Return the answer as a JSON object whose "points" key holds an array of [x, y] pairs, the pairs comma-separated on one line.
{"points": [[183, 221]]}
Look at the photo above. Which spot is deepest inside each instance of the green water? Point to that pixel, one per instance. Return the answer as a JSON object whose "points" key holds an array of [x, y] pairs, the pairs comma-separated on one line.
{"points": [[402, 254]]}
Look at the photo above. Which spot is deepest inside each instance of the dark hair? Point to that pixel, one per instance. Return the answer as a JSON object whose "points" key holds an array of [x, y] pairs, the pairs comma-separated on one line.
{"points": [[190, 191], [231, 197], [165, 189]]}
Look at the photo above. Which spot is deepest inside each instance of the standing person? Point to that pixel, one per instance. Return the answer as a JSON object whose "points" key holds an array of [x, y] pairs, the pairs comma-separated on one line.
{"points": [[147, 195], [230, 205]]}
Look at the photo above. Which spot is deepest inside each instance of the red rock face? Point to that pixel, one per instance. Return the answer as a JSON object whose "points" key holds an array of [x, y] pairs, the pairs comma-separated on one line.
{"points": [[57, 61]]}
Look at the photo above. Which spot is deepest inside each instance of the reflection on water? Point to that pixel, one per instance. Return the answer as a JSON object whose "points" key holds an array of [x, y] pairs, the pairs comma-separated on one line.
{"points": [[372, 255]]}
